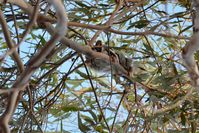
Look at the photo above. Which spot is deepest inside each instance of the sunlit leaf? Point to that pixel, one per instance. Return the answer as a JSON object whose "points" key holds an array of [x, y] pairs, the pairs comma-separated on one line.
{"points": [[88, 119], [73, 108]]}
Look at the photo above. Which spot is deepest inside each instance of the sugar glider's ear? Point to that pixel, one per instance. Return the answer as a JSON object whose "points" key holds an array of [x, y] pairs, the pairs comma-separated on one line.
{"points": [[98, 43], [98, 46]]}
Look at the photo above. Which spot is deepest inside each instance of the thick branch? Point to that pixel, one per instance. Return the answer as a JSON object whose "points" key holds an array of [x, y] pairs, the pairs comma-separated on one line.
{"points": [[86, 50], [191, 47]]}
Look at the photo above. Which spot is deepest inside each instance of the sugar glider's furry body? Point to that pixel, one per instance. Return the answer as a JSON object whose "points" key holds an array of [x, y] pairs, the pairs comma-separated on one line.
{"points": [[115, 57]]}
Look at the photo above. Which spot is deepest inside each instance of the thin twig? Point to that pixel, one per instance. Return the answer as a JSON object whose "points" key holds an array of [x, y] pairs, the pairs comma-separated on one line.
{"points": [[108, 23], [124, 92], [15, 22]]}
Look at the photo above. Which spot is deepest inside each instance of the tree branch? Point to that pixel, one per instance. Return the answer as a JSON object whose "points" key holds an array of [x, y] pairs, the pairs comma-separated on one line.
{"points": [[191, 47], [10, 43], [35, 62]]}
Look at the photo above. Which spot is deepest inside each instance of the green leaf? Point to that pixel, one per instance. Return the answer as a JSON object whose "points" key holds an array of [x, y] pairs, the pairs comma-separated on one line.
{"points": [[139, 24], [81, 4], [187, 28], [54, 111], [102, 82], [74, 83], [183, 130], [42, 40], [64, 131], [88, 119], [81, 126], [85, 11], [55, 78], [83, 75], [33, 36], [61, 125], [4, 46], [148, 47], [93, 115], [104, 5], [100, 129], [73, 108], [183, 118]]}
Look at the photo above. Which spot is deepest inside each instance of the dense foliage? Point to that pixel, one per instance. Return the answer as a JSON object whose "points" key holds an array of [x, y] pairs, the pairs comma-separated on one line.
{"points": [[63, 95]]}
